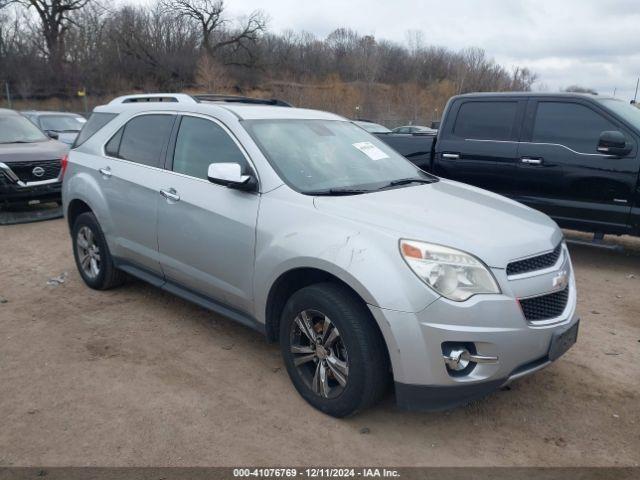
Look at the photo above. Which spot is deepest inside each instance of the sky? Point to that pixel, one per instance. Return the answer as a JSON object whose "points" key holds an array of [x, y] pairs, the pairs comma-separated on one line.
{"points": [[592, 43]]}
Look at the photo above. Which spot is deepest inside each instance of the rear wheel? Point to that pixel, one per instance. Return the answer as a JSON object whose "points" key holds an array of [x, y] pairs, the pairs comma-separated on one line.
{"points": [[332, 349], [92, 255]]}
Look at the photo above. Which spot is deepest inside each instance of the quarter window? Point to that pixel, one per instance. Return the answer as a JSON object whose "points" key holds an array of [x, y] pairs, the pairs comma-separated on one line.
{"points": [[569, 124], [200, 143], [95, 123], [143, 139], [486, 120]]}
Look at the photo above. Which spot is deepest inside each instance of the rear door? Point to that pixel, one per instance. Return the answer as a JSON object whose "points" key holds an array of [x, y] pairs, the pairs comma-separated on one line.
{"points": [[206, 232], [561, 173], [131, 175], [478, 143]]}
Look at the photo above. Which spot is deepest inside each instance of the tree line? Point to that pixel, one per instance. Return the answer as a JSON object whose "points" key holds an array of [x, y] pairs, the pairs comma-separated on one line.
{"points": [[51, 49]]}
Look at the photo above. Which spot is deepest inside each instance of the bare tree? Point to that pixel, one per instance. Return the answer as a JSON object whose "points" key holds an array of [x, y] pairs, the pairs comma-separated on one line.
{"points": [[55, 21], [216, 31]]}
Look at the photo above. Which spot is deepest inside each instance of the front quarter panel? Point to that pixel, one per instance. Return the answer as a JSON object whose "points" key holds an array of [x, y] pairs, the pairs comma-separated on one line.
{"points": [[293, 234]]}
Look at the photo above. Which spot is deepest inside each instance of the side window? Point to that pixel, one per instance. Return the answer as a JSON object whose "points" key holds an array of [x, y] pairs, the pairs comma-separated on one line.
{"points": [[201, 142], [144, 138], [95, 123], [569, 124], [486, 120]]}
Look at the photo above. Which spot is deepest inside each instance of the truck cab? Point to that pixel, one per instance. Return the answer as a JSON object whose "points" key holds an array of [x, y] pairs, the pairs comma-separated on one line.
{"points": [[571, 156]]}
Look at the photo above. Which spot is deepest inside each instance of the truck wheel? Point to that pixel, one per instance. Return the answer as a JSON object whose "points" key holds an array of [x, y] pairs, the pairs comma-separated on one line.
{"points": [[333, 351], [92, 255]]}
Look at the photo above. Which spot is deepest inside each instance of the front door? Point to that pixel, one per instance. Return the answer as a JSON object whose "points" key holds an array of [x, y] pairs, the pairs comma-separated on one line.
{"points": [[206, 232], [480, 146], [561, 172]]}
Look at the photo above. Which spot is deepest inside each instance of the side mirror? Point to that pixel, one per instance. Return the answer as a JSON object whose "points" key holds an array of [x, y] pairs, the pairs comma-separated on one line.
{"points": [[52, 134], [613, 143], [230, 175]]}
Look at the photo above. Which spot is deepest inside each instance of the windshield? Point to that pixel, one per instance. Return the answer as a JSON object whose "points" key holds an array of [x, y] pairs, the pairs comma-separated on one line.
{"points": [[61, 123], [372, 127], [17, 129], [323, 155], [627, 111]]}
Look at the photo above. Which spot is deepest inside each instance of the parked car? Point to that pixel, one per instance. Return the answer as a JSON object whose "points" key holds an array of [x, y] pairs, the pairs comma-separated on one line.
{"points": [[571, 156], [30, 162], [372, 127], [415, 129], [305, 227], [62, 126]]}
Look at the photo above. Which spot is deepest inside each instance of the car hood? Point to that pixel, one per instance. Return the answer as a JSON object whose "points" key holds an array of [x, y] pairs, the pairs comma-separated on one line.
{"points": [[25, 152], [67, 137], [493, 228]]}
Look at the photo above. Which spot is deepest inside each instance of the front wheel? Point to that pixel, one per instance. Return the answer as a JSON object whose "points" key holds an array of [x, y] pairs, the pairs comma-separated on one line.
{"points": [[333, 351]]}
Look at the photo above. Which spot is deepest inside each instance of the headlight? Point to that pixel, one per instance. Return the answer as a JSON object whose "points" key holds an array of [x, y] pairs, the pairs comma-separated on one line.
{"points": [[451, 273]]}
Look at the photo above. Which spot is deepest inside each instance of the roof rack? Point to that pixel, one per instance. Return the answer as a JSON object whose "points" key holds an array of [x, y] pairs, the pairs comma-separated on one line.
{"points": [[204, 97], [213, 97], [154, 97]]}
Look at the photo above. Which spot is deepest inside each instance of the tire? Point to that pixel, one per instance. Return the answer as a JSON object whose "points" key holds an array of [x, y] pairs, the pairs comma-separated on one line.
{"points": [[105, 275], [353, 362]]}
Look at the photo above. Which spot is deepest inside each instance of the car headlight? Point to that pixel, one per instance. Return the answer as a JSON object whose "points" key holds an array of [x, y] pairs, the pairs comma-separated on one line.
{"points": [[453, 274]]}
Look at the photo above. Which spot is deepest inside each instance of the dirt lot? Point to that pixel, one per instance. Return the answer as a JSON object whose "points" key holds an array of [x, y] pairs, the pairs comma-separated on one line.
{"points": [[135, 376]]}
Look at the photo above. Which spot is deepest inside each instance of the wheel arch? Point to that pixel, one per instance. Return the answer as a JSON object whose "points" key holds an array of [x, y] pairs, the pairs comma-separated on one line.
{"points": [[290, 282], [76, 208]]}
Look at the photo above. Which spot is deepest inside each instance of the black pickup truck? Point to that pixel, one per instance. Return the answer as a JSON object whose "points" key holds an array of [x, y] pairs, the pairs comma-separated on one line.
{"points": [[573, 156]]}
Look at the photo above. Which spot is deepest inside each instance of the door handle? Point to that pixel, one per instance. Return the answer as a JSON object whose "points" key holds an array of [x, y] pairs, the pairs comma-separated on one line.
{"points": [[451, 156], [106, 171], [531, 161], [170, 194]]}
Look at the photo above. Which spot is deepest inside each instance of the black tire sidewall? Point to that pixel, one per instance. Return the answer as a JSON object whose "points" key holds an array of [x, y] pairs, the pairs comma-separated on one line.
{"points": [[89, 220], [343, 313]]}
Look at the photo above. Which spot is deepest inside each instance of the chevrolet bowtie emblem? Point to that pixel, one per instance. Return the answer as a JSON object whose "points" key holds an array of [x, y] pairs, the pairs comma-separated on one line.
{"points": [[560, 281]]}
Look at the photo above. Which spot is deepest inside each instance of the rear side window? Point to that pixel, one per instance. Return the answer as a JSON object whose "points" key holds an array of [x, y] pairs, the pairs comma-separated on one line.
{"points": [[95, 123], [200, 143], [570, 124], [486, 120], [144, 138]]}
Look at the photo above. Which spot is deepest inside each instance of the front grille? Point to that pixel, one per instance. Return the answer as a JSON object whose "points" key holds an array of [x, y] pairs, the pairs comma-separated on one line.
{"points": [[24, 170], [535, 263], [545, 307]]}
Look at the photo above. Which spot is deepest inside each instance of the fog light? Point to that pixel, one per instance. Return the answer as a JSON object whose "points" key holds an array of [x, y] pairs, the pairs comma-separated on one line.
{"points": [[461, 358], [457, 359]]}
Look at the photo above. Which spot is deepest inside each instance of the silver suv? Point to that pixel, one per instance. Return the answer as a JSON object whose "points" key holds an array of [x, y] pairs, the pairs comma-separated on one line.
{"points": [[303, 226]]}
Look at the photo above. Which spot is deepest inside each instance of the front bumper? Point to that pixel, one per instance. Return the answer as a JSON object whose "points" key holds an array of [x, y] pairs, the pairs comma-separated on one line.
{"points": [[496, 327]]}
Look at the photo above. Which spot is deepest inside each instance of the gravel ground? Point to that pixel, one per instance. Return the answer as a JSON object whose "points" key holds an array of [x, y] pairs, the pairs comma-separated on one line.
{"points": [[135, 376]]}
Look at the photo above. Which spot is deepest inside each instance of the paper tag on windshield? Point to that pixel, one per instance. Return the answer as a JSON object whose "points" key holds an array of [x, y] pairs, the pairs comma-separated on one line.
{"points": [[370, 150]]}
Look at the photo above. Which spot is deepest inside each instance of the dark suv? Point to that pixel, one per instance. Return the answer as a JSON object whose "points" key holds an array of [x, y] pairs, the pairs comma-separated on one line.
{"points": [[30, 162]]}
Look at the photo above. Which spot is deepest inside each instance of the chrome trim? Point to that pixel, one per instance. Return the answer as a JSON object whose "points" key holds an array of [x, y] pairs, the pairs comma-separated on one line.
{"points": [[543, 143], [10, 174], [544, 271], [554, 320]]}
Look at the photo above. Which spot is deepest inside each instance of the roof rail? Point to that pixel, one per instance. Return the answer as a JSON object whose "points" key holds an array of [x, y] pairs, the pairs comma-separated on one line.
{"points": [[214, 97], [203, 97], [154, 97]]}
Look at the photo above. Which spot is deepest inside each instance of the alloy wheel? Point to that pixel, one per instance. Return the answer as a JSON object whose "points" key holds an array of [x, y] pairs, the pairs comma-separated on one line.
{"points": [[319, 353], [88, 252]]}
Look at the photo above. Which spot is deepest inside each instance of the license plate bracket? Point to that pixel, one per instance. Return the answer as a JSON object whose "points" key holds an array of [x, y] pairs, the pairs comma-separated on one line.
{"points": [[563, 341]]}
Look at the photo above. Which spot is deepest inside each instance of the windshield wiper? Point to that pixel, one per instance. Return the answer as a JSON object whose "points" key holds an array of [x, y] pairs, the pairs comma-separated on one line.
{"points": [[16, 141], [338, 191], [407, 181]]}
